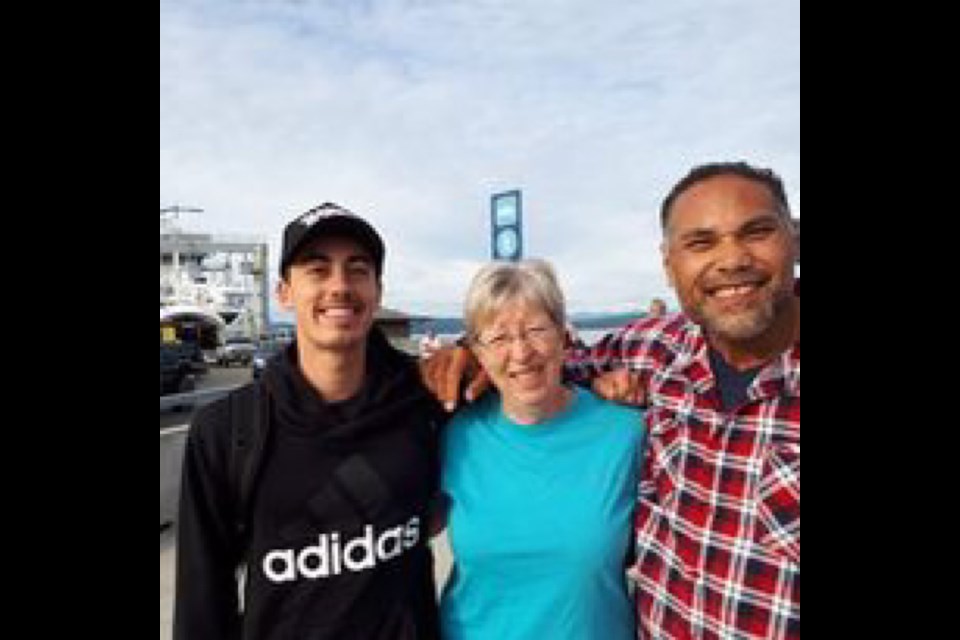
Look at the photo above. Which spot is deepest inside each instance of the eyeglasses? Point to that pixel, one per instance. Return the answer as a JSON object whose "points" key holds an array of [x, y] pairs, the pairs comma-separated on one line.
{"points": [[538, 337]]}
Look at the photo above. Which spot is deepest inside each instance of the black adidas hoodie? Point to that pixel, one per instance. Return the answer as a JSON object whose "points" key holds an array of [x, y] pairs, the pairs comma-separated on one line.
{"points": [[339, 529]]}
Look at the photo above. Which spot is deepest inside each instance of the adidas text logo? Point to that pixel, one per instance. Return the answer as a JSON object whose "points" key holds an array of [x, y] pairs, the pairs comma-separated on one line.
{"points": [[331, 556]]}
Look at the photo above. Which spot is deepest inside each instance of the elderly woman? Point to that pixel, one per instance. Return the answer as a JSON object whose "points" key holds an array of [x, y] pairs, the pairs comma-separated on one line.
{"points": [[539, 479]]}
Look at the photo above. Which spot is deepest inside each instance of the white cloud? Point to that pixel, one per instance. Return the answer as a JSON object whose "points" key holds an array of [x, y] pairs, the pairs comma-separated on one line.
{"points": [[414, 112]]}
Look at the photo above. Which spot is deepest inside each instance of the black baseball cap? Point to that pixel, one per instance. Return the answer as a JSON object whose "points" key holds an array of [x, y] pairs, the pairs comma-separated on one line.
{"points": [[330, 220]]}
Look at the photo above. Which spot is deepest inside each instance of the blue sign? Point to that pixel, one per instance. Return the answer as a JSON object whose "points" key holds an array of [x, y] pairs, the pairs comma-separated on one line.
{"points": [[506, 219]]}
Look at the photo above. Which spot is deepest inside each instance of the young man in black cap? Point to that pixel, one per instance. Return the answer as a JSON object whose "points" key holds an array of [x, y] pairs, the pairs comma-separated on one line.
{"points": [[305, 496]]}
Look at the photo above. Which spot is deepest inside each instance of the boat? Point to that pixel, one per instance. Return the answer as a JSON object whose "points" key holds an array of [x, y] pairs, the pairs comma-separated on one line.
{"points": [[211, 287]]}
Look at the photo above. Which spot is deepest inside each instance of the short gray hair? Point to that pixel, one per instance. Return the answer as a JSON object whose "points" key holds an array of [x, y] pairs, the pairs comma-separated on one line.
{"points": [[532, 281]]}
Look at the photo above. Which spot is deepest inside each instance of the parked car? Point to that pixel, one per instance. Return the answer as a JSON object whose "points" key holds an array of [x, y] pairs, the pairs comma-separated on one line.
{"points": [[176, 370], [236, 351], [267, 350], [193, 355]]}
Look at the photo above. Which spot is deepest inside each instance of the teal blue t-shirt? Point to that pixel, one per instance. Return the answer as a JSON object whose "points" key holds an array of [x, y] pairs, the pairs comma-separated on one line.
{"points": [[540, 522]]}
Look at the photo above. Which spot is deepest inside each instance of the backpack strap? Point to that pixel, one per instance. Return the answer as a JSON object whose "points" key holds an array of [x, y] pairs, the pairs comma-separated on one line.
{"points": [[249, 424]]}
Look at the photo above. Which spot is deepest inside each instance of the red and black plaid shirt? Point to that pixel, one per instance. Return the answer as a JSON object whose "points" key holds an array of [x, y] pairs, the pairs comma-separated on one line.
{"points": [[718, 519]]}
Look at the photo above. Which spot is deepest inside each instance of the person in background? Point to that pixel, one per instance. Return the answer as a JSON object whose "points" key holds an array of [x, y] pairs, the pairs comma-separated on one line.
{"points": [[333, 544], [572, 339], [718, 518], [539, 478], [657, 308], [429, 344]]}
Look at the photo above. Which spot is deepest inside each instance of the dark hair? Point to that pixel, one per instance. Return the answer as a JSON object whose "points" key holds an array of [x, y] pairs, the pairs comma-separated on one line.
{"points": [[765, 177]]}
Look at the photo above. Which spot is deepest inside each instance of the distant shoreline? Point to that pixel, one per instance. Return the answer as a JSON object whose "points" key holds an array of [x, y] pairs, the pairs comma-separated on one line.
{"points": [[589, 336], [586, 322]]}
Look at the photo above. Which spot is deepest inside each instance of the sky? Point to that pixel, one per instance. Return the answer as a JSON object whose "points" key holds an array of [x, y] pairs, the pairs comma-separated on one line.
{"points": [[413, 113]]}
